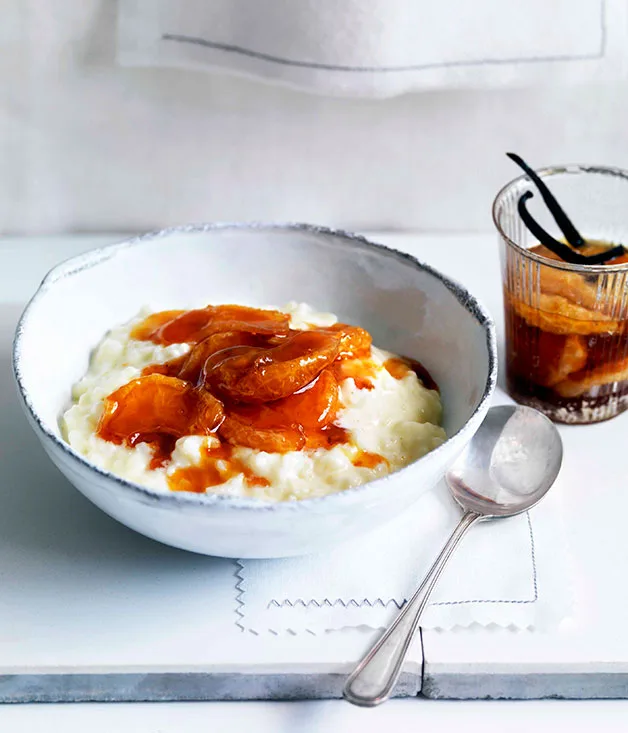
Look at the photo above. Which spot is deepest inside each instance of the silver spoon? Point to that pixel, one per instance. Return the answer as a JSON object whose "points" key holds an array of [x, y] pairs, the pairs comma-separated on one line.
{"points": [[507, 468]]}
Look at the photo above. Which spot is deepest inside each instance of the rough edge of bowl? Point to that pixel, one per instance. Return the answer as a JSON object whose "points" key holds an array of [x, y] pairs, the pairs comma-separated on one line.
{"points": [[75, 265]]}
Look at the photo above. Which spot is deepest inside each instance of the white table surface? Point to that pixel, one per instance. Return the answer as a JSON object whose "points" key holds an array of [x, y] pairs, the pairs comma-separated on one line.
{"points": [[595, 647]]}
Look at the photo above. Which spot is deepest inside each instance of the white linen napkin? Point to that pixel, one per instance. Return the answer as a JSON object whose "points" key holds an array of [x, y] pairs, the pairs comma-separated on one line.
{"points": [[379, 48], [509, 572]]}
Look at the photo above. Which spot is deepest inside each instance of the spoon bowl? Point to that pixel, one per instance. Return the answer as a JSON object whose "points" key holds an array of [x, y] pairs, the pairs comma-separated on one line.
{"points": [[509, 465], [507, 468]]}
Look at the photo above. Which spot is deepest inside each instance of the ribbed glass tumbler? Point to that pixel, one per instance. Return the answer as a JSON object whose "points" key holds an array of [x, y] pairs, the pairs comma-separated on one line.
{"points": [[566, 324]]}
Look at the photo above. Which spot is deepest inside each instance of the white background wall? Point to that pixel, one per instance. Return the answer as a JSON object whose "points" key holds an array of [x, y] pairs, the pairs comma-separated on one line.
{"points": [[86, 145]]}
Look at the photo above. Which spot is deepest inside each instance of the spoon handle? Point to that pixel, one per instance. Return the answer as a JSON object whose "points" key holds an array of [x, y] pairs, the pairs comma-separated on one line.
{"points": [[373, 680]]}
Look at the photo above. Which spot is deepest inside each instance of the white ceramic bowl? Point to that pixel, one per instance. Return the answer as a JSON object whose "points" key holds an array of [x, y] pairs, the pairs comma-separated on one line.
{"points": [[408, 307]]}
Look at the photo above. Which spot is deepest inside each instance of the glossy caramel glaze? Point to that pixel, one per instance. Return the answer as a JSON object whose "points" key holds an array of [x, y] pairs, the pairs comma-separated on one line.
{"points": [[248, 380]]}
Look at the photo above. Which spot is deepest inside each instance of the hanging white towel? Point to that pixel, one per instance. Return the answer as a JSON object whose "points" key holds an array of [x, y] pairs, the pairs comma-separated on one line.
{"points": [[379, 48]]}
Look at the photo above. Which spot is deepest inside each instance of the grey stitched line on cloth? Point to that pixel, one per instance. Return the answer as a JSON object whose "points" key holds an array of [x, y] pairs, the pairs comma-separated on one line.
{"points": [[287, 603], [239, 593], [250, 53], [338, 602], [535, 595]]}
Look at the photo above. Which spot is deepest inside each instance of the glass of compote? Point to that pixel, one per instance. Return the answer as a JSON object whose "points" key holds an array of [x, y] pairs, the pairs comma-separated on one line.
{"points": [[566, 290]]}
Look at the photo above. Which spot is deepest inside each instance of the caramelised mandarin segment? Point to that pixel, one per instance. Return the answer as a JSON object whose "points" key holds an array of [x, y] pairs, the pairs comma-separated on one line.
{"points": [[571, 358], [570, 302], [195, 325], [313, 407], [600, 376], [236, 431], [577, 287], [253, 375], [559, 315], [275, 440], [189, 327], [291, 423], [355, 342], [542, 357], [158, 404], [168, 369], [570, 285], [151, 324], [316, 405], [198, 325], [192, 368]]}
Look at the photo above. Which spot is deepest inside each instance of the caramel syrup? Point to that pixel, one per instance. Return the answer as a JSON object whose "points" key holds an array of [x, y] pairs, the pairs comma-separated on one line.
{"points": [[566, 353], [248, 380], [400, 366], [217, 465], [366, 459]]}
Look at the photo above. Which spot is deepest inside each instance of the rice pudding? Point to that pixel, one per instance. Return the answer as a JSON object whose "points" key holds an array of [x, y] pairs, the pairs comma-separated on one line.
{"points": [[276, 404]]}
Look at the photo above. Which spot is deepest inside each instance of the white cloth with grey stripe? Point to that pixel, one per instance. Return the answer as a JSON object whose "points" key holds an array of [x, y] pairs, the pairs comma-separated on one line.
{"points": [[379, 48], [509, 573]]}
